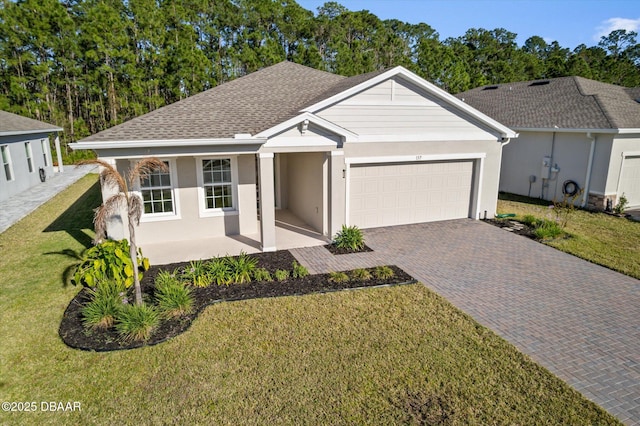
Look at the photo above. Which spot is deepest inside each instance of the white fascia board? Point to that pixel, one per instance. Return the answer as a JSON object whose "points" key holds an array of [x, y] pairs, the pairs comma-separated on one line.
{"points": [[410, 158], [420, 82], [576, 130], [167, 143], [426, 137], [29, 132], [318, 121]]}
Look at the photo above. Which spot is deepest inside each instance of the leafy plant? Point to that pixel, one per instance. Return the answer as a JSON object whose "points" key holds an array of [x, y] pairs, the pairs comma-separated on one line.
{"points": [[281, 274], [107, 299], [547, 229], [242, 267], [196, 274], [108, 261], [564, 209], [218, 271], [621, 206], [361, 274], [350, 238], [261, 274], [137, 322], [383, 272], [338, 277], [530, 220], [299, 271], [173, 298]]}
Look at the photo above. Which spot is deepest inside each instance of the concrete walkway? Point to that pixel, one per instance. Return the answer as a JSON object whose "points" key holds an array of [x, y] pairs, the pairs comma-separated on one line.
{"points": [[20, 205], [579, 320]]}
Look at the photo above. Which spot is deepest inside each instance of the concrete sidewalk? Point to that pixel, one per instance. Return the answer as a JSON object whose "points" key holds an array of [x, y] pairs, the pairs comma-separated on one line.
{"points": [[20, 205]]}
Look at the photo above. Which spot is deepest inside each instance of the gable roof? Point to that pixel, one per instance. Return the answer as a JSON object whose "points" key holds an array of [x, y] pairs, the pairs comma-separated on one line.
{"points": [[13, 124], [564, 103]]}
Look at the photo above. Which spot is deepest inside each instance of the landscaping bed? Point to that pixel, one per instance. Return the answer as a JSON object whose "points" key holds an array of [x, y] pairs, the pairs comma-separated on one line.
{"points": [[513, 226], [76, 335]]}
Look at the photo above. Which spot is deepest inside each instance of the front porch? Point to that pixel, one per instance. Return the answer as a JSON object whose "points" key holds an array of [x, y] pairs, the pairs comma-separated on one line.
{"points": [[291, 232]]}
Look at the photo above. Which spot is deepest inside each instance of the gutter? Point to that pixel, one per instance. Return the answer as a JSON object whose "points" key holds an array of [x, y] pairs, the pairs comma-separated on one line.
{"points": [[30, 132], [167, 143]]}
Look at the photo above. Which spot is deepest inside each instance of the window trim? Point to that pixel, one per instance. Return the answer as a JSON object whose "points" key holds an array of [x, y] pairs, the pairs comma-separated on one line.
{"points": [[7, 151], [29, 154], [202, 205], [157, 217]]}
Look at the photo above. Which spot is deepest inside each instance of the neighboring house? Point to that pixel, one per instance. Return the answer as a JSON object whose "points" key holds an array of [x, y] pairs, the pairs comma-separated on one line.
{"points": [[26, 153], [573, 132], [378, 149]]}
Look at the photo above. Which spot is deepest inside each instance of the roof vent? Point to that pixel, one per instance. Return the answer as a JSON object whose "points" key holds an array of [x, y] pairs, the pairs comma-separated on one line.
{"points": [[540, 83], [490, 88]]}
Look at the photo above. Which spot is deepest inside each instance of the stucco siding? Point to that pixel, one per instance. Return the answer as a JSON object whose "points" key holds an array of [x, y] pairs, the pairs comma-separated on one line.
{"points": [[22, 179], [305, 187]]}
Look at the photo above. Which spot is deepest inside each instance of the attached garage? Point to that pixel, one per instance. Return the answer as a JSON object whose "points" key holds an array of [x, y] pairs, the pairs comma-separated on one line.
{"points": [[398, 193], [630, 180]]}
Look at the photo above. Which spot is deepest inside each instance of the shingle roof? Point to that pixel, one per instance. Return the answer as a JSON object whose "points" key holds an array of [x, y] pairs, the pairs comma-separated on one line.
{"points": [[565, 102], [16, 124], [249, 104]]}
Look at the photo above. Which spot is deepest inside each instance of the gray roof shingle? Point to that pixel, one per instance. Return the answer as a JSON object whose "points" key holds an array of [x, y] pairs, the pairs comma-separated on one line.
{"points": [[565, 102], [250, 104], [13, 123]]}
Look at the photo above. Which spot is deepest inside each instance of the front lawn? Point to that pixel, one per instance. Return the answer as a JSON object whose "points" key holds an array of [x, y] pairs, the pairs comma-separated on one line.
{"points": [[397, 355], [610, 241]]}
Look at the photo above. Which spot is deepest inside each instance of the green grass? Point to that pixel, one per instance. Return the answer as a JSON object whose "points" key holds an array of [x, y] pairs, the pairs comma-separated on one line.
{"points": [[376, 356], [610, 241]]}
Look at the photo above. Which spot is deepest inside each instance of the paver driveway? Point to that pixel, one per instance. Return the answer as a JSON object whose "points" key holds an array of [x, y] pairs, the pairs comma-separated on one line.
{"points": [[579, 320]]}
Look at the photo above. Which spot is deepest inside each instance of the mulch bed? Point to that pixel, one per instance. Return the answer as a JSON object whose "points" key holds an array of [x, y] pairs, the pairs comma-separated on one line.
{"points": [[335, 250], [522, 229], [75, 335]]}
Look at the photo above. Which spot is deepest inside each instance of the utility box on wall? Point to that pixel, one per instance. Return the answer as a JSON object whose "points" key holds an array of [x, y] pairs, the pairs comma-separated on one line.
{"points": [[545, 170]]}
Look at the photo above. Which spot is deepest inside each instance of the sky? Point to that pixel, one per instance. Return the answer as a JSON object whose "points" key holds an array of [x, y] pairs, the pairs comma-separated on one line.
{"points": [[569, 22]]}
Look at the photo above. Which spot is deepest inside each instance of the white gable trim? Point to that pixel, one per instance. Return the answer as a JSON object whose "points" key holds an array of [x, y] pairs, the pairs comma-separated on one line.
{"points": [[422, 83], [347, 135]]}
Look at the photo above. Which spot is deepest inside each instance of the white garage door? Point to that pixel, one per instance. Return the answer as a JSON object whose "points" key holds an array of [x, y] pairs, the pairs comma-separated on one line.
{"points": [[402, 193], [630, 182]]}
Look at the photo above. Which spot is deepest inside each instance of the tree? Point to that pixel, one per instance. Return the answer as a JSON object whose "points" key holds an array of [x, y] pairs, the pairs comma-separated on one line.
{"points": [[124, 199]]}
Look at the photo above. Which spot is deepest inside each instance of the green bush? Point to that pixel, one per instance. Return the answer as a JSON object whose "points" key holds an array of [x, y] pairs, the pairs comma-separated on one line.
{"points": [[621, 206], [137, 322], [196, 274], [350, 238], [298, 270], [261, 274], [361, 274], [219, 272], [281, 274], [338, 277], [106, 300], [383, 272], [242, 267], [106, 261], [173, 298], [547, 230]]}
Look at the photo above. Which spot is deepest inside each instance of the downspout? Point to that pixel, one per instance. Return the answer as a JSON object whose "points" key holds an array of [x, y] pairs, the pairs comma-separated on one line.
{"points": [[587, 179], [59, 154], [545, 180]]}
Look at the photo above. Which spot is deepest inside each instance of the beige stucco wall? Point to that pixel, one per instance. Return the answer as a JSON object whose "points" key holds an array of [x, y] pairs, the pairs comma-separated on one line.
{"points": [[305, 186]]}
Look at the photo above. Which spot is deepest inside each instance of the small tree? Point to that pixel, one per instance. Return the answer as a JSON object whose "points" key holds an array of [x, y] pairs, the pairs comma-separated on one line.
{"points": [[124, 199]]}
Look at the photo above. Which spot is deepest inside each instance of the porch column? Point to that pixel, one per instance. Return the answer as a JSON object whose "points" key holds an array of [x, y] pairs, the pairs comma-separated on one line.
{"points": [[337, 192], [267, 202], [59, 154]]}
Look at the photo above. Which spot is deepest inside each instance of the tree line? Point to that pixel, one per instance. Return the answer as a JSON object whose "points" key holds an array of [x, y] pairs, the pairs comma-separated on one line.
{"points": [[86, 65]]}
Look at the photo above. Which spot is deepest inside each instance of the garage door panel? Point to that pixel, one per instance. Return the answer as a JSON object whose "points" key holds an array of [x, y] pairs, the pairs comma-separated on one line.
{"points": [[630, 181], [409, 192]]}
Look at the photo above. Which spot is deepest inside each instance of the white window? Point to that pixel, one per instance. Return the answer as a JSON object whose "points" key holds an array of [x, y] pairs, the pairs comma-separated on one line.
{"points": [[157, 193], [45, 146], [217, 179], [6, 162], [29, 154]]}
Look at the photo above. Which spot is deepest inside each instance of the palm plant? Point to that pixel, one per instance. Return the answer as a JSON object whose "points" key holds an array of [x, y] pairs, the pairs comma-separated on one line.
{"points": [[124, 199]]}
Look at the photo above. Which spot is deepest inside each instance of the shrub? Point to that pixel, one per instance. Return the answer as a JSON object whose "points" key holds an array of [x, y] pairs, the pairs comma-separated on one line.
{"points": [[383, 272], [242, 267], [299, 271], [107, 261], [338, 277], [361, 274], [104, 307], [173, 298], [530, 220], [350, 238], [281, 274], [261, 274], [622, 205], [196, 274], [218, 270], [547, 230], [137, 322]]}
